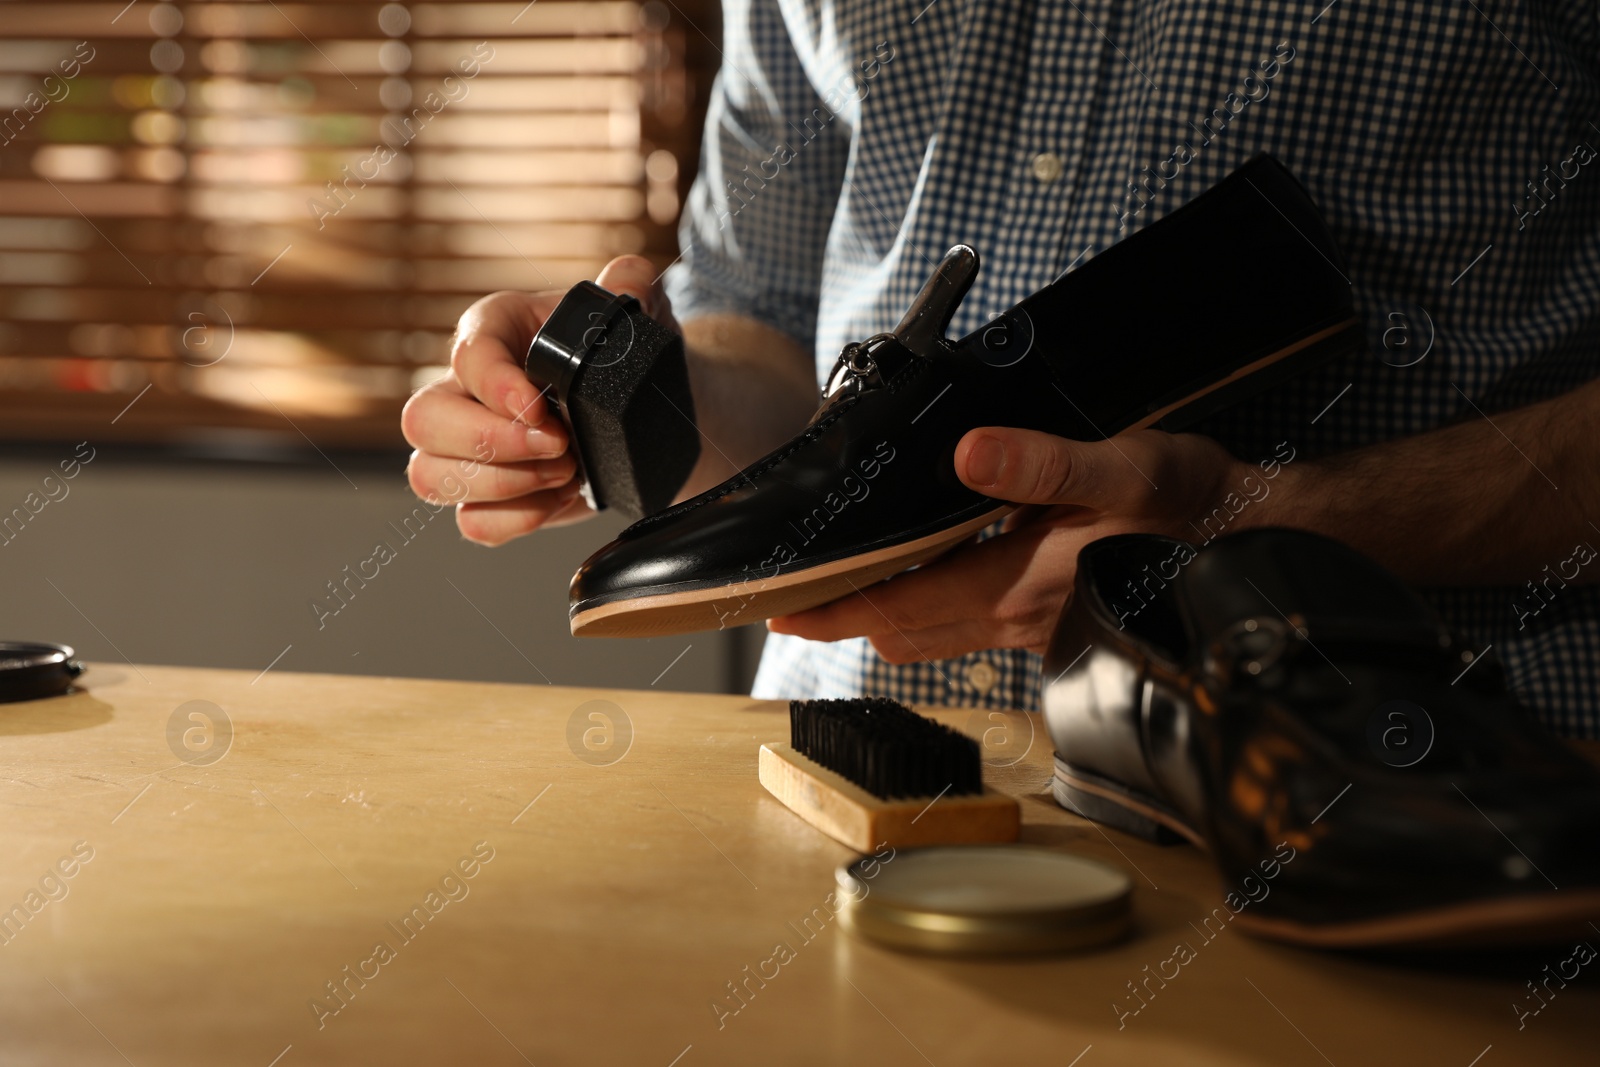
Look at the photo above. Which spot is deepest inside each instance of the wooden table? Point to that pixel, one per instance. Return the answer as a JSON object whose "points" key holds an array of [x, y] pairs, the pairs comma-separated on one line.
{"points": [[622, 898]]}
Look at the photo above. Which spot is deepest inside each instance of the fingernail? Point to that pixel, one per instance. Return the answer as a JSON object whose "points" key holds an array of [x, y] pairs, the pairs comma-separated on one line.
{"points": [[984, 460], [544, 444], [529, 411]]}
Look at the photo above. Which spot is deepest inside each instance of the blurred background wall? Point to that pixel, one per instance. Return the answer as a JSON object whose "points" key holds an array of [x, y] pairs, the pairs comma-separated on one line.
{"points": [[212, 562], [234, 237]]}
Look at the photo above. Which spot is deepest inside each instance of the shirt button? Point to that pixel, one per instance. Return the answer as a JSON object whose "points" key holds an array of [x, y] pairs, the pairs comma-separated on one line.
{"points": [[1046, 167], [982, 677]]}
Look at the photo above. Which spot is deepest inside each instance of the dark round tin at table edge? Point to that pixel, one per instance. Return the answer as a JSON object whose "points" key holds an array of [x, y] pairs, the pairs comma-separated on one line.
{"points": [[33, 670]]}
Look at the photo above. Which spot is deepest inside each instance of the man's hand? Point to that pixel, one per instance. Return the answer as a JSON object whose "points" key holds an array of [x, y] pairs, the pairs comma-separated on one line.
{"points": [[1008, 591], [486, 438], [1475, 503]]}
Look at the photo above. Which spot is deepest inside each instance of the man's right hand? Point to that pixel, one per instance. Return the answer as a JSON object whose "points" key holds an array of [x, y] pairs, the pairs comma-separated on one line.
{"points": [[486, 438]]}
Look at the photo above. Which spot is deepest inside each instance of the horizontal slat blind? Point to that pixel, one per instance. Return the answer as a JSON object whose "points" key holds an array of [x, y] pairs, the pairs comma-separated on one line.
{"points": [[266, 217]]}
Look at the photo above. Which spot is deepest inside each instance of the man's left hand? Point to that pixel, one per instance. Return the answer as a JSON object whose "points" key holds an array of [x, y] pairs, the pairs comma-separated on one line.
{"points": [[1007, 591]]}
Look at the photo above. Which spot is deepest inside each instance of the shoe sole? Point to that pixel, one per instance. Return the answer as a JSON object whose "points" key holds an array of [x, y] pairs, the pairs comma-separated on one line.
{"points": [[1523, 920], [1551, 918], [1102, 800], [721, 606]]}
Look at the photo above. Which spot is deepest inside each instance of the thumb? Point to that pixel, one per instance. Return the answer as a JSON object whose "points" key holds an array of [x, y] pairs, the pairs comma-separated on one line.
{"points": [[638, 277], [1028, 467]]}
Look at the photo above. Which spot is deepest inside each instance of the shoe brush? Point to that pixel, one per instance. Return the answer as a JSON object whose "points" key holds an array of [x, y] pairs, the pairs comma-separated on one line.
{"points": [[872, 772]]}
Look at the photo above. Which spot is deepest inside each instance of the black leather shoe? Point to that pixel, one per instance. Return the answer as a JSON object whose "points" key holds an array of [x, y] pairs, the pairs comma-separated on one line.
{"points": [[1359, 777], [1228, 295]]}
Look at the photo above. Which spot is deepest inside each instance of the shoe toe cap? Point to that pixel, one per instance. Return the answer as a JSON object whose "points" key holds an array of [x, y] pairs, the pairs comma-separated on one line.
{"points": [[712, 545]]}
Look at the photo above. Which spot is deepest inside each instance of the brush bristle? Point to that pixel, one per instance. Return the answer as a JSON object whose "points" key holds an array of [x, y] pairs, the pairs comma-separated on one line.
{"points": [[885, 747]]}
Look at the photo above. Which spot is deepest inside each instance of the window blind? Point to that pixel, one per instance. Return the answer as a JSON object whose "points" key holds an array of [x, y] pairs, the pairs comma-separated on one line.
{"points": [[264, 218]]}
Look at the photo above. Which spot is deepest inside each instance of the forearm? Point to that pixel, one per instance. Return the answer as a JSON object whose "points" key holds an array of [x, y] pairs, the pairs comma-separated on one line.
{"points": [[1476, 503], [754, 388]]}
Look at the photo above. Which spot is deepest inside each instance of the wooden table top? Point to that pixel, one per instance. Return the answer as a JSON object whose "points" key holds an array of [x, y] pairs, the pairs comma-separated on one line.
{"points": [[590, 909]]}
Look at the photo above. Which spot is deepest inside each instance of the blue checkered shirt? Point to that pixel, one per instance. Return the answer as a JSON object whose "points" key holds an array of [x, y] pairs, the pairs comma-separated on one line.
{"points": [[849, 144]]}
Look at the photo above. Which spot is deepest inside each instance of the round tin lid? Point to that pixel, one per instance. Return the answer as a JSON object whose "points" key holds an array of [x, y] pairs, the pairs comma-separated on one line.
{"points": [[985, 900], [31, 670]]}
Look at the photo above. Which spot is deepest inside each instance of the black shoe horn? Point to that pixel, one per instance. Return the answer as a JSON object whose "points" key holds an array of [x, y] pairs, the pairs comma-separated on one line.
{"points": [[923, 326]]}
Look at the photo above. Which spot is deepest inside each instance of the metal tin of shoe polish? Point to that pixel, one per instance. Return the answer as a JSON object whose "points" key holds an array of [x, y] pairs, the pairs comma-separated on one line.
{"points": [[32, 670], [985, 900]]}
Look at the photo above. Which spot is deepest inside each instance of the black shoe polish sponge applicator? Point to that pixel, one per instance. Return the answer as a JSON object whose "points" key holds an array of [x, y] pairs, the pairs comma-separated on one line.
{"points": [[870, 772], [621, 384]]}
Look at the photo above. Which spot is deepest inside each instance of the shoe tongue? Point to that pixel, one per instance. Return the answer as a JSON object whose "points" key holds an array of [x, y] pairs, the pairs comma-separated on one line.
{"points": [[1303, 579]]}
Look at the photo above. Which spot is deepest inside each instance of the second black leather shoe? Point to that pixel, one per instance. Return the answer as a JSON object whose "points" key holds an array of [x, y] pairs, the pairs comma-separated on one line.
{"points": [[1224, 297], [1360, 778]]}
